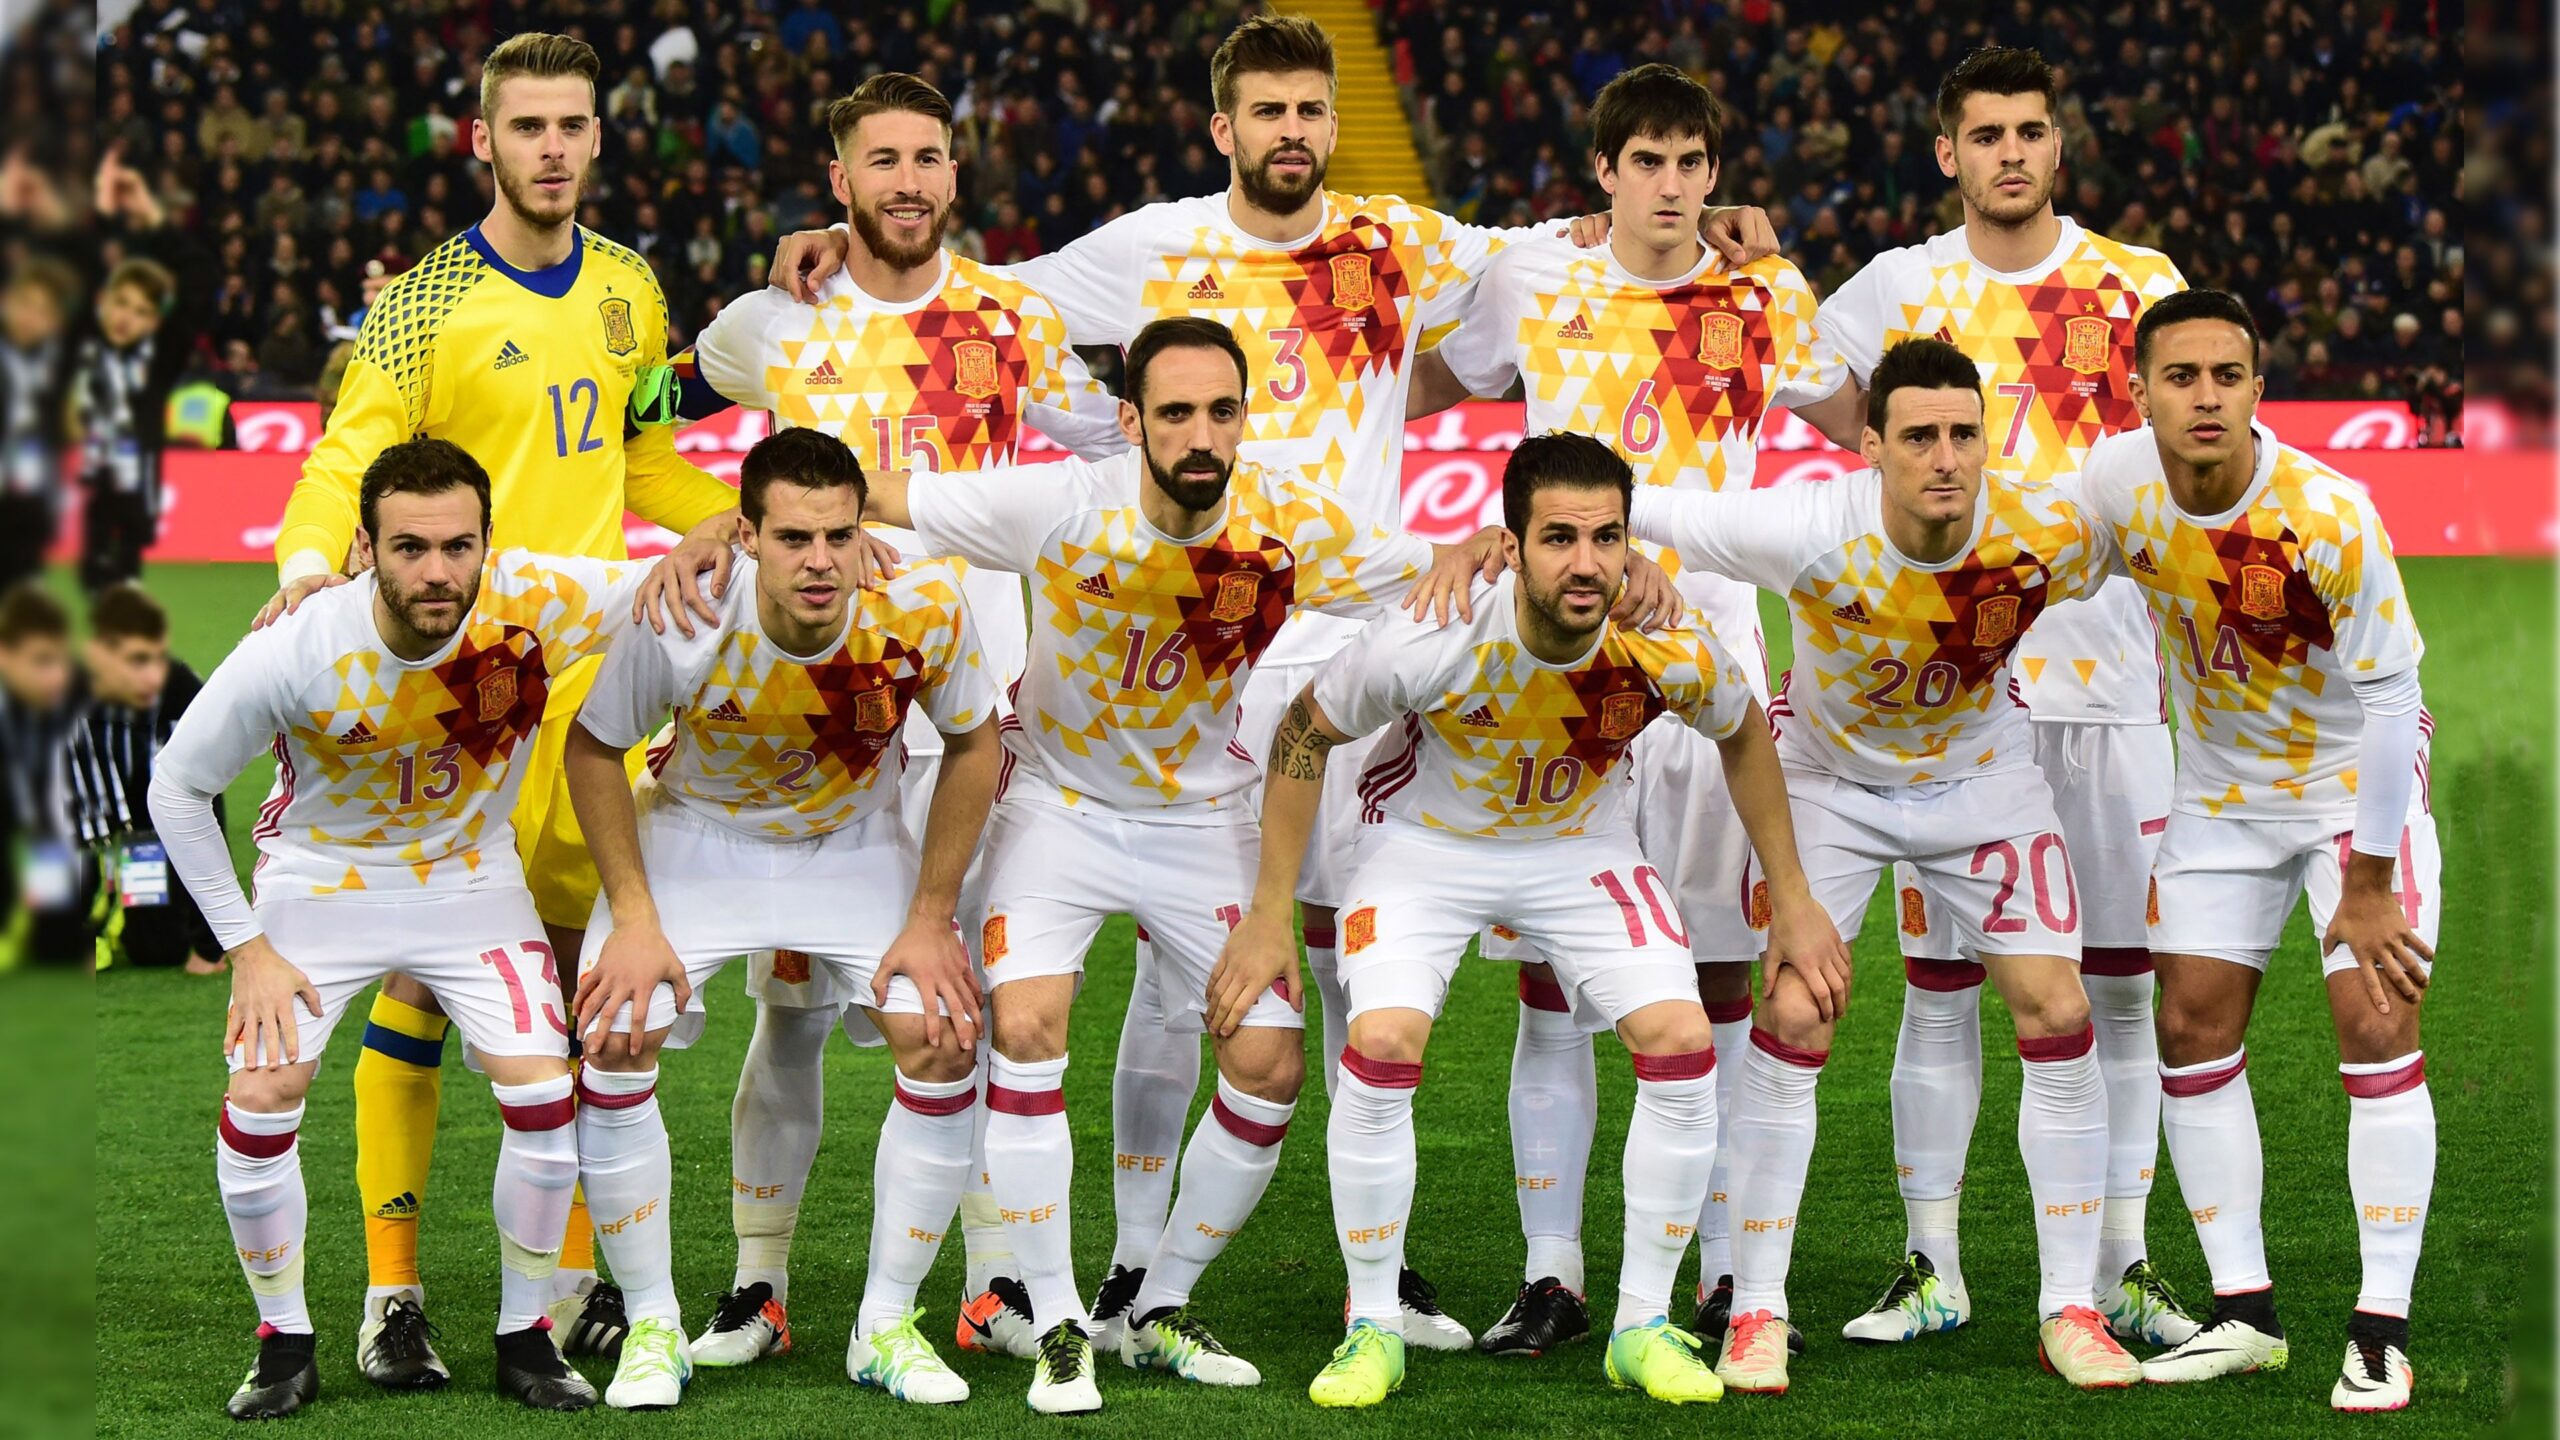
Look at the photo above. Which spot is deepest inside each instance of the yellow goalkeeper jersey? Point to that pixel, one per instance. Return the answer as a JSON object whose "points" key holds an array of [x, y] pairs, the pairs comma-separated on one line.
{"points": [[530, 371]]}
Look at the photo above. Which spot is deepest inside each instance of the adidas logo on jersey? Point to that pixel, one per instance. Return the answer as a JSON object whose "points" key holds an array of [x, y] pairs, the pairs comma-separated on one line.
{"points": [[510, 356], [362, 734], [1852, 613], [1481, 716], [727, 712], [1098, 586], [403, 1206], [1577, 328], [825, 374], [1206, 288], [2141, 563]]}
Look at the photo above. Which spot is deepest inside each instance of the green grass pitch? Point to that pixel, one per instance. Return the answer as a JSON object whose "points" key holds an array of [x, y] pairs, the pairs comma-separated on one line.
{"points": [[175, 1319]]}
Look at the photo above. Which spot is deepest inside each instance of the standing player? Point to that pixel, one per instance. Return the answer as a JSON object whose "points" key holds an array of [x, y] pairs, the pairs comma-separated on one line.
{"points": [[1909, 584], [2302, 770], [771, 821], [2046, 310], [1497, 805], [918, 359], [1658, 343], [540, 347], [398, 709]]}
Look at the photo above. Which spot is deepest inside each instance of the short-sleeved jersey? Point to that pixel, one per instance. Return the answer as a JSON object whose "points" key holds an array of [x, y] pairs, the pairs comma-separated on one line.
{"points": [[2271, 611], [1909, 663], [1490, 740], [1141, 641], [396, 777], [530, 371], [2055, 345], [782, 746]]}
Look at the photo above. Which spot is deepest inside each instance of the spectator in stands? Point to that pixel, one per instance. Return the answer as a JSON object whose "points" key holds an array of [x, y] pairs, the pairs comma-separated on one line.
{"points": [[148, 319], [45, 882], [35, 377]]}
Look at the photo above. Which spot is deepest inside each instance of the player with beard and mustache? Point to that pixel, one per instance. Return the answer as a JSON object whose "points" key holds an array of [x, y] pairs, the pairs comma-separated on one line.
{"points": [[540, 348], [1329, 295], [915, 360]]}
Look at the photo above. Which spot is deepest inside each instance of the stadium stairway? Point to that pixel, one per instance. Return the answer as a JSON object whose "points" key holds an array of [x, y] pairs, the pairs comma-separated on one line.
{"points": [[1376, 155]]}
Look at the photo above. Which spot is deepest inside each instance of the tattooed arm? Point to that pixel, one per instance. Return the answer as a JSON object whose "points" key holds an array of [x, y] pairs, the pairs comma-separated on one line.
{"points": [[1263, 950]]}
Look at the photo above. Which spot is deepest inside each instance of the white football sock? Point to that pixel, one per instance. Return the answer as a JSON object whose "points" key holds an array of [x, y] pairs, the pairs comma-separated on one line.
{"points": [[537, 1170], [1370, 1152], [259, 1166], [1031, 1163], [2212, 1125], [1153, 1077], [774, 1127], [1555, 1110], [986, 1245], [1771, 1135], [623, 1161], [1671, 1152], [2129, 1057], [1731, 1022], [916, 1175], [2062, 1133], [1937, 1095], [1224, 1172], [2391, 1171], [1331, 999]]}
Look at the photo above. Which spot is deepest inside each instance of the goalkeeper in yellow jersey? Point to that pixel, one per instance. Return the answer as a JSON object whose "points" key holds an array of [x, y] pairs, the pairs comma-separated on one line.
{"points": [[539, 347]]}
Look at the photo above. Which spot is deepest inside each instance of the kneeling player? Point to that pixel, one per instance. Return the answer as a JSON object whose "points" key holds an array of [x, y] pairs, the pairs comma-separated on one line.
{"points": [[398, 707], [1501, 801], [2301, 770], [771, 822]]}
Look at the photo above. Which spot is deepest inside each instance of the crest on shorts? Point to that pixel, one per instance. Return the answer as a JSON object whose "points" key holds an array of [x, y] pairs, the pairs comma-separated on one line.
{"points": [[2086, 343], [1238, 592], [1621, 716], [2262, 592], [991, 946], [973, 368], [875, 711], [1359, 929], [791, 967], [1755, 911], [497, 692], [619, 337], [2151, 907], [1915, 912], [1720, 341], [1505, 932], [1351, 290], [1995, 620]]}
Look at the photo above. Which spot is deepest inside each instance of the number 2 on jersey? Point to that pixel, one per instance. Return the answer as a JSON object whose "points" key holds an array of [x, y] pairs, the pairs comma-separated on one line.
{"points": [[560, 418]]}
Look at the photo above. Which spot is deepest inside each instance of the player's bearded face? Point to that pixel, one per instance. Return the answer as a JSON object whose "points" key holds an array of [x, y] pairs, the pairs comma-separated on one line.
{"points": [[1575, 557], [1191, 426], [427, 560], [540, 147], [1281, 136], [2006, 154], [894, 174], [1931, 453], [2200, 391]]}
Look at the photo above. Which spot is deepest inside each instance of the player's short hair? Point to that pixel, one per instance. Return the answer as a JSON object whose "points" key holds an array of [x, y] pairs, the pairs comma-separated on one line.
{"points": [[1268, 45], [2189, 305], [1918, 364], [29, 612], [126, 612], [798, 455], [534, 55], [1180, 332], [150, 277], [1995, 70], [890, 92], [424, 466], [1656, 101], [1560, 458]]}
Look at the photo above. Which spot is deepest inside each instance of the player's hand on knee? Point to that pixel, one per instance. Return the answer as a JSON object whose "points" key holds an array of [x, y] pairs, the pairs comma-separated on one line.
{"points": [[1803, 940], [1741, 233], [2387, 948], [635, 961], [804, 260], [290, 598], [1648, 601], [928, 952], [264, 987], [1260, 954]]}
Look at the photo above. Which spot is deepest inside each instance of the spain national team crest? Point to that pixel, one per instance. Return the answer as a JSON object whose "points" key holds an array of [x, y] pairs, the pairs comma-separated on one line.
{"points": [[791, 967], [1720, 341], [973, 369], [1995, 620], [2087, 343], [1351, 290], [1238, 593], [2262, 592], [875, 711], [991, 942], [1359, 929], [1505, 932], [2151, 906], [1915, 912], [1621, 716], [1757, 912], [619, 337], [497, 695]]}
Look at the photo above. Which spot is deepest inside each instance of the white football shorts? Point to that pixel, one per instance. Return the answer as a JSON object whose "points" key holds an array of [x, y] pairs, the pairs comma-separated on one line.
{"points": [[482, 952], [2224, 887]]}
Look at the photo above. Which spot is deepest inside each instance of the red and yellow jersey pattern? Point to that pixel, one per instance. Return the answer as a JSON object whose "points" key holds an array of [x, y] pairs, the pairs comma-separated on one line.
{"points": [[2272, 611], [1141, 641], [1902, 669], [395, 776], [786, 747], [2054, 343], [1490, 740]]}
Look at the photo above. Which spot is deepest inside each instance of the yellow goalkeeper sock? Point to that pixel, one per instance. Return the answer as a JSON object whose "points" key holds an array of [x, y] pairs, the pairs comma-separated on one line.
{"points": [[399, 1080]]}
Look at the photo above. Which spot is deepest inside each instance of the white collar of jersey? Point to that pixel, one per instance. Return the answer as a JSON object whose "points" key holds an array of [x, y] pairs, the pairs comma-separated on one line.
{"points": [[2259, 475], [1506, 598], [1708, 259], [1225, 200], [2064, 243], [1981, 516], [840, 287]]}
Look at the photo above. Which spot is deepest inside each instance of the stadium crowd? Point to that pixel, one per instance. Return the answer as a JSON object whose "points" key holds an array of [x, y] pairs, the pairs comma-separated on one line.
{"points": [[2306, 158]]}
